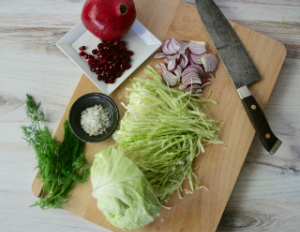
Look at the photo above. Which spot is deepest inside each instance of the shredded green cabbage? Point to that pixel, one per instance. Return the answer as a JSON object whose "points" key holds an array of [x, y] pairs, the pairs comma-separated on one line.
{"points": [[162, 132]]}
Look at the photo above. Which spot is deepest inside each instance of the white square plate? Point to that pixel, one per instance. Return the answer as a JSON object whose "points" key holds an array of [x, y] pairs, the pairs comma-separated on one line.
{"points": [[139, 40]]}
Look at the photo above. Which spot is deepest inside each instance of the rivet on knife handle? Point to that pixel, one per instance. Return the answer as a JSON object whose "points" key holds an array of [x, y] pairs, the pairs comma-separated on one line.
{"points": [[259, 121]]}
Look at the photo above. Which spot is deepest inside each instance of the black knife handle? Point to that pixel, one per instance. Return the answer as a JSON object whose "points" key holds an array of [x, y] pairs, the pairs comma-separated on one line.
{"points": [[261, 125]]}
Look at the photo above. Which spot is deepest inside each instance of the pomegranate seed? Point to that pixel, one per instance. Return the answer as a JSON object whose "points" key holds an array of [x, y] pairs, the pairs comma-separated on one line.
{"points": [[105, 60], [110, 67], [119, 74], [108, 72], [95, 51], [101, 55], [98, 72], [123, 43], [108, 54], [128, 66], [109, 62], [111, 81], [91, 57], [86, 56], [102, 68], [123, 65], [82, 53], [129, 53], [115, 64], [106, 80], [106, 67], [100, 45], [100, 77], [97, 68], [92, 68], [82, 48], [115, 57]]}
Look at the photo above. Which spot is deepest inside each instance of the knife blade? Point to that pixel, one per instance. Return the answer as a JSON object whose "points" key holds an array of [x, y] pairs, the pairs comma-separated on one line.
{"points": [[239, 66]]}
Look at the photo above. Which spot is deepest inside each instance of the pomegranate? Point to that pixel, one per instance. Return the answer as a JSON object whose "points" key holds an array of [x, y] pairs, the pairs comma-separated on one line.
{"points": [[108, 20]]}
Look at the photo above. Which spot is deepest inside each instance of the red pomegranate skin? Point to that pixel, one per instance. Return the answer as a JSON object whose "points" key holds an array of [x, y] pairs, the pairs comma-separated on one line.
{"points": [[108, 20]]}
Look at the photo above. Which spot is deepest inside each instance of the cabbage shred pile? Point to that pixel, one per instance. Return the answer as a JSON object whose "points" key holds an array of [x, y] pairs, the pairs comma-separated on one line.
{"points": [[162, 132]]}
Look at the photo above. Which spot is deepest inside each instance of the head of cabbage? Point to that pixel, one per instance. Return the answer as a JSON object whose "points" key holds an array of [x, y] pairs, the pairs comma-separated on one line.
{"points": [[122, 191]]}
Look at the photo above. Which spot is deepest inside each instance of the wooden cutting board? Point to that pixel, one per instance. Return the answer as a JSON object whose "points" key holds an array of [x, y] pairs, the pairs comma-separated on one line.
{"points": [[220, 164]]}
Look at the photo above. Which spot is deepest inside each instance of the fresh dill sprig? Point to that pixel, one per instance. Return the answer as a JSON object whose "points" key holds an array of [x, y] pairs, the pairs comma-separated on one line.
{"points": [[61, 166]]}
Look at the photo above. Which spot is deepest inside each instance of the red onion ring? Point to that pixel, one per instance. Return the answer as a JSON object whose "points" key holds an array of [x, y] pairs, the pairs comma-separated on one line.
{"points": [[196, 58], [210, 62], [197, 47], [172, 64], [183, 46], [183, 61], [159, 55]]}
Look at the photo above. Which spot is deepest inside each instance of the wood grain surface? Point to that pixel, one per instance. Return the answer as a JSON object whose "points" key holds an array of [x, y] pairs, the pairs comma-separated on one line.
{"points": [[266, 195]]}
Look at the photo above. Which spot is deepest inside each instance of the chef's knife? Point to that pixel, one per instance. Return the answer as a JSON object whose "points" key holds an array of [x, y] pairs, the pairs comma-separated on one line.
{"points": [[239, 66]]}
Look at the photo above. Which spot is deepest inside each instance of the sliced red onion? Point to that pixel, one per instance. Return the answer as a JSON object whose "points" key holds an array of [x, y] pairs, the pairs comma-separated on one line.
{"points": [[174, 56], [178, 72], [162, 66], [159, 55], [209, 74], [199, 91], [195, 68], [210, 62], [183, 46], [196, 58], [192, 88], [191, 78], [191, 75], [183, 61], [197, 47], [205, 83], [173, 45], [165, 48], [192, 62], [172, 64], [168, 77]]}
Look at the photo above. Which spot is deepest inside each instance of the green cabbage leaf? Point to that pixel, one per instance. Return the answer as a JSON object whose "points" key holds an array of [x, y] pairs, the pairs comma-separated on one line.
{"points": [[122, 191]]}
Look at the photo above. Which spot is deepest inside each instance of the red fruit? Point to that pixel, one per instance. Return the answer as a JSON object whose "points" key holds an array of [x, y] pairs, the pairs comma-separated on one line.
{"points": [[111, 81], [123, 65], [117, 15], [119, 74], [129, 53], [82, 48], [95, 51], [128, 66], [82, 53], [86, 56], [100, 77]]}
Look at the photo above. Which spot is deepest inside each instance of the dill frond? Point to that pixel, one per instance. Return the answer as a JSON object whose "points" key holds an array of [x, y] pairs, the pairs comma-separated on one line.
{"points": [[61, 166]]}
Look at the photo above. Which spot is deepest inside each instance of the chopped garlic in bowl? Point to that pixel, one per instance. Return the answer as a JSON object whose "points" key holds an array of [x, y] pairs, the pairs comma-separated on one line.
{"points": [[94, 117], [94, 120]]}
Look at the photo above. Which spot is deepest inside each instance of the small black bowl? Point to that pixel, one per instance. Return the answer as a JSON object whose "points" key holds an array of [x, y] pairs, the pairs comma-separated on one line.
{"points": [[90, 100]]}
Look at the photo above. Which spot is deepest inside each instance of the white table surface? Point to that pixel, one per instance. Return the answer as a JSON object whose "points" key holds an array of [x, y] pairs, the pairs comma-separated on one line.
{"points": [[266, 196]]}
